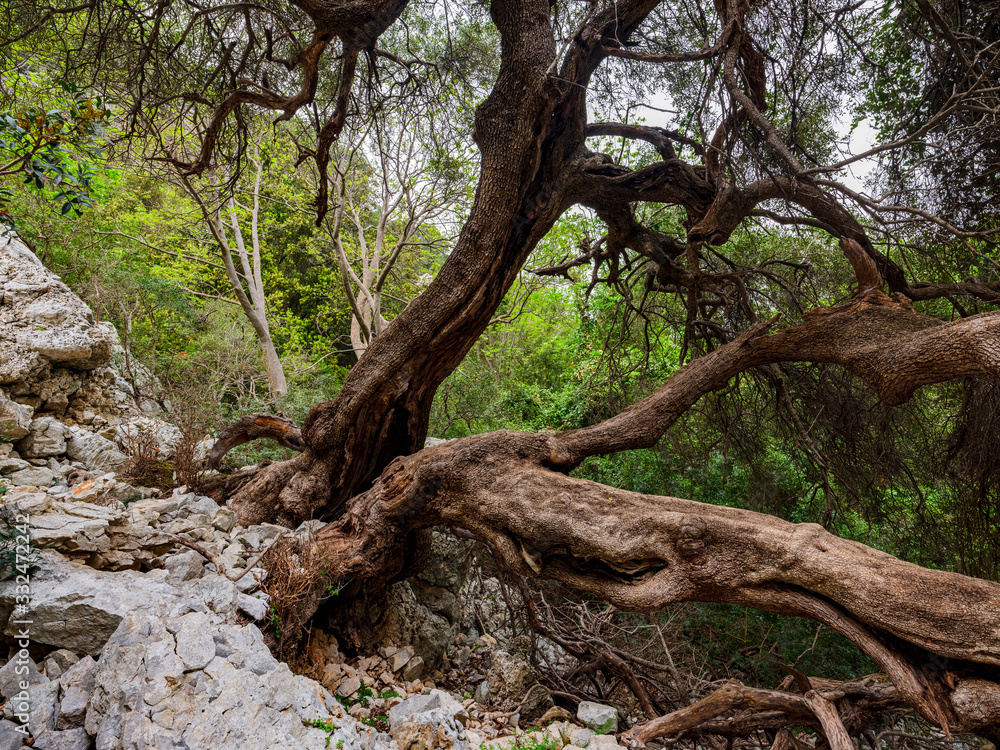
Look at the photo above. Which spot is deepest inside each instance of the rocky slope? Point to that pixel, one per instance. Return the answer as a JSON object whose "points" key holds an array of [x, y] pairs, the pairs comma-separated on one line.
{"points": [[122, 636]]}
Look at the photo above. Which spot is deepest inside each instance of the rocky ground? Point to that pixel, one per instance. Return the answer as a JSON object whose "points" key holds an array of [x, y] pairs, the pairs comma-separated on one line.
{"points": [[127, 637]]}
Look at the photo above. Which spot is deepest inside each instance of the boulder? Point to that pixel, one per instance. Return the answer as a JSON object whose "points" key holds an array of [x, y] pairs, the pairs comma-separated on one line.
{"points": [[597, 717], [46, 437], [93, 451], [41, 321], [436, 720], [165, 436], [146, 697], [511, 677], [76, 607], [10, 464], [33, 476], [15, 419]]}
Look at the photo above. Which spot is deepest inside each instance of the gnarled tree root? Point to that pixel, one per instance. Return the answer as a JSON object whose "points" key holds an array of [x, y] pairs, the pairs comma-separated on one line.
{"points": [[936, 634]]}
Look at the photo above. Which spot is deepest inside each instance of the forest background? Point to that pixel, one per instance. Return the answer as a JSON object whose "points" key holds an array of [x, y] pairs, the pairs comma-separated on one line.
{"points": [[145, 246]]}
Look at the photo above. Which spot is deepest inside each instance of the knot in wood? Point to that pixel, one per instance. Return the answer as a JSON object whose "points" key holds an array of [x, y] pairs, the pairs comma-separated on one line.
{"points": [[690, 541]]}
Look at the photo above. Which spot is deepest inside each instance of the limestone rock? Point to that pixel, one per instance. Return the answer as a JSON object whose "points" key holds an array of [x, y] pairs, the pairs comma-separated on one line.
{"points": [[10, 736], [33, 476], [93, 451], [10, 680], [510, 678], [10, 464], [252, 606], [166, 436], [144, 697], [41, 320], [76, 607], [72, 708], [46, 437], [598, 717], [15, 419], [58, 662], [71, 739], [430, 721], [185, 567], [80, 675]]}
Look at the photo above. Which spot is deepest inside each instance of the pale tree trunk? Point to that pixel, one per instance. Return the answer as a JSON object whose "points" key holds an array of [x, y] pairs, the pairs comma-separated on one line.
{"points": [[364, 276], [247, 282]]}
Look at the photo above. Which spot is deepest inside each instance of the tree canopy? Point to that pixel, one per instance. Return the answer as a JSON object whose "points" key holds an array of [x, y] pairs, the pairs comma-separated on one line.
{"points": [[769, 210]]}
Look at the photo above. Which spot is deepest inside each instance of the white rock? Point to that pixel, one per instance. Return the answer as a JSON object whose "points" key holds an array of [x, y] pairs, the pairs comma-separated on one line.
{"points": [[43, 322], [241, 700], [46, 437], [15, 419], [598, 717], [165, 435], [254, 607], [93, 451], [76, 607]]}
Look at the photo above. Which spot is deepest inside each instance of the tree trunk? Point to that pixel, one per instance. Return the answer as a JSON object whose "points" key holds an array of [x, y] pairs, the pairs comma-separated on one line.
{"points": [[272, 366], [935, 633]]}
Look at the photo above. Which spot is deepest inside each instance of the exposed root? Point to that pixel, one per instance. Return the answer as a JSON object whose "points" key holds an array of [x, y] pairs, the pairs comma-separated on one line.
{"points": [[254, 427]]}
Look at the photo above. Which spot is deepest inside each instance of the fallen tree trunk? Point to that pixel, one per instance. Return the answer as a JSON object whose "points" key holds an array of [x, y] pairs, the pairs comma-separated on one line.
{"points": [[936, 634]]}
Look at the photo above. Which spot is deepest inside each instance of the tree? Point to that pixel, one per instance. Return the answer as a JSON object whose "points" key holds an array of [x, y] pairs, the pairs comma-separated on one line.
{"points": [[387, 201], [246, 282], [757, 86]]}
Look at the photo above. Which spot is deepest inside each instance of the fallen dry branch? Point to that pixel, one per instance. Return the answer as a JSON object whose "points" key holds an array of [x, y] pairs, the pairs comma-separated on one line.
{"points": [[216, 560]]}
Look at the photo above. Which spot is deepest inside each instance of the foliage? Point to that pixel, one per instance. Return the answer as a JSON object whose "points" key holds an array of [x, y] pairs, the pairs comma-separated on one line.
{"points": [[51, 146]]}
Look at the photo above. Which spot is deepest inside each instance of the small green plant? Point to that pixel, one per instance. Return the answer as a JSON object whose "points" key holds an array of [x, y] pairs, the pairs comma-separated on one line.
{"points": [[605, 728], [327, 725], [18, 556], [530, 742], [390, 693], [274, 620], [363, 695]]}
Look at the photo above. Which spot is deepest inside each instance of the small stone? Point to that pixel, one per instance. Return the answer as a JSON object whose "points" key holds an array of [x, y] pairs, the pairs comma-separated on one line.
{"points": [[482, 693], [72, 708], [349, 687], [414, 668], [581, 736], [224, 520], [386, 651], [58, 662], [251, 581], [185, 566], [254, 607], [398, 660]]}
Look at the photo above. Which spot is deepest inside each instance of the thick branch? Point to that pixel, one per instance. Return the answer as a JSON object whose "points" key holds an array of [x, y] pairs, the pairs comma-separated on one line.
{"points": [[254, 427]]}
